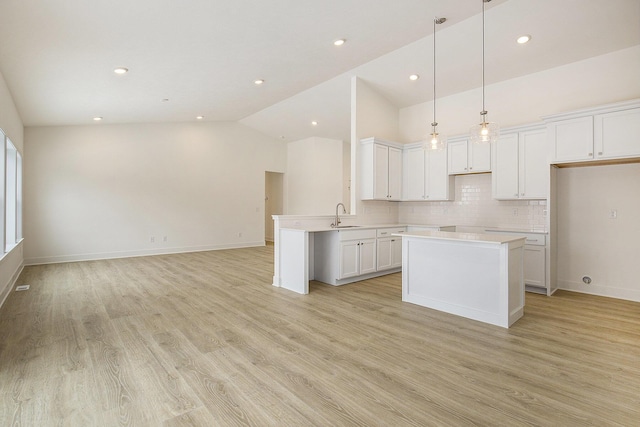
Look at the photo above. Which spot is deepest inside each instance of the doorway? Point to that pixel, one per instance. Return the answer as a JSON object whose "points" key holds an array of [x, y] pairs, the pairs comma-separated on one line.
{"points": [[273, 201]]}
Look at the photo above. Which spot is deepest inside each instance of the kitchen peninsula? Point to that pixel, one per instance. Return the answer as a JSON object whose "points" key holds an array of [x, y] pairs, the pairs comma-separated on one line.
{"points": [[307, 248], [478, 276]]}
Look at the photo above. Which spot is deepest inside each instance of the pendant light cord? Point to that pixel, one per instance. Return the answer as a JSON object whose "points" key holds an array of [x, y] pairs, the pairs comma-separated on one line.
{"points": [[434, 72], [483, 107]]}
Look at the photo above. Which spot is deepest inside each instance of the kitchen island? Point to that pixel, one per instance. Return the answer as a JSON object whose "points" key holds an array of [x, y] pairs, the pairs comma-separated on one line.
{"points": [[477, 276]]}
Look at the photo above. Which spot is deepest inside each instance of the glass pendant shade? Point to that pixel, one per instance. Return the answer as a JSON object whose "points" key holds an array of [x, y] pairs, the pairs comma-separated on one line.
{"points": [[485, 132], [436, 142]]}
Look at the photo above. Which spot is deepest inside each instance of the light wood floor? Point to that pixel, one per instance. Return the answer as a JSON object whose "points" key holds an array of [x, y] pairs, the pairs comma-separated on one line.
{"points": [[204, 339]]}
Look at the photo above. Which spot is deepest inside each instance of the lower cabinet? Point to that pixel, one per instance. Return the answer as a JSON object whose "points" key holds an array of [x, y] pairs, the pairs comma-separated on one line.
{"points": [[357, 257], [535, 260], [534, 266], [345, 256]]}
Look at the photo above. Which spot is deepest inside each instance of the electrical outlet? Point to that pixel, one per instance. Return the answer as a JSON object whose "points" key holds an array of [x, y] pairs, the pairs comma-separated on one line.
{"points": [[164, 238], [152, 239], [515, 212], [613, 214], [239, 234]]}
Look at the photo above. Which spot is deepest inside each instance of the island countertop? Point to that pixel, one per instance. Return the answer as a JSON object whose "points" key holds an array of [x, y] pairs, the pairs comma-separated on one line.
{"points": [[469, 237], [318, 228]]}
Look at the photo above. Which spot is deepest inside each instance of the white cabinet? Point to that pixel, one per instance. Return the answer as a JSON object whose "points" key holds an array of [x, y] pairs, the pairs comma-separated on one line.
{"points": [[534, 260], [425, 174], [389, 248], [344, 256], [520, 168], [616, 134], [534, 266], [466, 157], [381, 170], [357, 257], [604, 133], [572, 139]]}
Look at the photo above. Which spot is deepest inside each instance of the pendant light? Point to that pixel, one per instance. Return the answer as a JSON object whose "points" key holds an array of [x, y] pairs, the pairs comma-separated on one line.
{"points": [[485, 132], [436, 141]]}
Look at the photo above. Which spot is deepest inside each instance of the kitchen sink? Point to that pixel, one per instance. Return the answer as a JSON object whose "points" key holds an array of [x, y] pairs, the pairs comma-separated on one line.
{"points": [[347, 226]]}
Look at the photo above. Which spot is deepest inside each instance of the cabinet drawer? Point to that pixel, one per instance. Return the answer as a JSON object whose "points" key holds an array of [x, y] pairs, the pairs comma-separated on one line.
{"points": [[369, 233], [535, 239], [387, 232]]}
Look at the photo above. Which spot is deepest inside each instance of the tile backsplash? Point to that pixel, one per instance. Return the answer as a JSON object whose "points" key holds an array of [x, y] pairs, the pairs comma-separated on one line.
{"points": [[473, 207]]}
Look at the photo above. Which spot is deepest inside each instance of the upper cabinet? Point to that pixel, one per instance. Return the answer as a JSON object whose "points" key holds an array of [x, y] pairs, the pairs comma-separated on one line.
{"points": [[381, 170], [425, 174], [467, 157], [520, 167], [605, 133]]}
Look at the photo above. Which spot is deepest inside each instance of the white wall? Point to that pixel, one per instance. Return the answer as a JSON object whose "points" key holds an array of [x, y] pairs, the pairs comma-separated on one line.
{"points": [[371, 115], [314, 179], [601, 80], [590, 243], [103, 191], [11, 124]]}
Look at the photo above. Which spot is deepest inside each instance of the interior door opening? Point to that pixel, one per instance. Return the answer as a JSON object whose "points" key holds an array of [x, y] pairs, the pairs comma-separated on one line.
{"points": [[273, 201]]}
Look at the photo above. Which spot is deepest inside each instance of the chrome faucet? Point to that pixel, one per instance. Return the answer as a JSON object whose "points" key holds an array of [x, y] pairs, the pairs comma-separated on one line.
{"points": [[337, 221]]}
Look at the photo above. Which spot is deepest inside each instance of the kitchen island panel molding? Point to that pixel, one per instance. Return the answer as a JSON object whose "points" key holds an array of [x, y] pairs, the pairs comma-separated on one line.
{"points": [[473, 276]]}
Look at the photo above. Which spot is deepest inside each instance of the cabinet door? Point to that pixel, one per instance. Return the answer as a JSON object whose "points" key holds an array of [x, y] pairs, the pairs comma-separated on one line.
{"points": [[572, 139], [616, 134], [396, 252], [479, 157], [414, 174], [367, 256], [534, 168], [380, 172], [394, 179], [534, 266], [349, 259], [436, 177], [504, 176], [384, 250], [457, 157]]}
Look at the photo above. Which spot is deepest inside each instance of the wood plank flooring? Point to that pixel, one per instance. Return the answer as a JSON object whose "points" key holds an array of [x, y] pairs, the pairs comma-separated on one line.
{"points": [[203, 339]]}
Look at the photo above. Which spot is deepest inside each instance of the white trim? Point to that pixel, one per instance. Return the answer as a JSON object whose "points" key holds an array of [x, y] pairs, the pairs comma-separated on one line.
{"points": [[601, 109], [140, 253], [603, 291]]}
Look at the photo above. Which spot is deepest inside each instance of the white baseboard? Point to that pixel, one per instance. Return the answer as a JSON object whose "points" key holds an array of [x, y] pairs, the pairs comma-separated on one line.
{"points": [[603, 291], [130, 254]]}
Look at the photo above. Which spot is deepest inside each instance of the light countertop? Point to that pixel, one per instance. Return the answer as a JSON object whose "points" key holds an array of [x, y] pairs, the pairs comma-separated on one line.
{"points": [[358, 227], [470, 237]]}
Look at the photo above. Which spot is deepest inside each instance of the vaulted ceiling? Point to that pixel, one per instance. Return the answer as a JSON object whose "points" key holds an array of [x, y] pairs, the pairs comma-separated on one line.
{"points": [[201, 57]]}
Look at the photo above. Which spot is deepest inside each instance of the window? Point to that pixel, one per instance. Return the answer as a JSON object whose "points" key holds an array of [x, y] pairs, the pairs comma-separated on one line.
{"points": [[10, 193]]}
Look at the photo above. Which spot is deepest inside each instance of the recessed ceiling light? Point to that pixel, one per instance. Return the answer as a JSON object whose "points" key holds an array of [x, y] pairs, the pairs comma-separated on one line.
{"points": [[200, 117], [121, 70], [97, 119], [339, 42], [414, 77], [524, 39], [314, 123], [258, 82]]}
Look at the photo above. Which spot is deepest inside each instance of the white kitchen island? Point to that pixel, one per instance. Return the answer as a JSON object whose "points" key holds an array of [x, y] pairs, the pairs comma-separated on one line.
{"points": [[478, 276]]}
